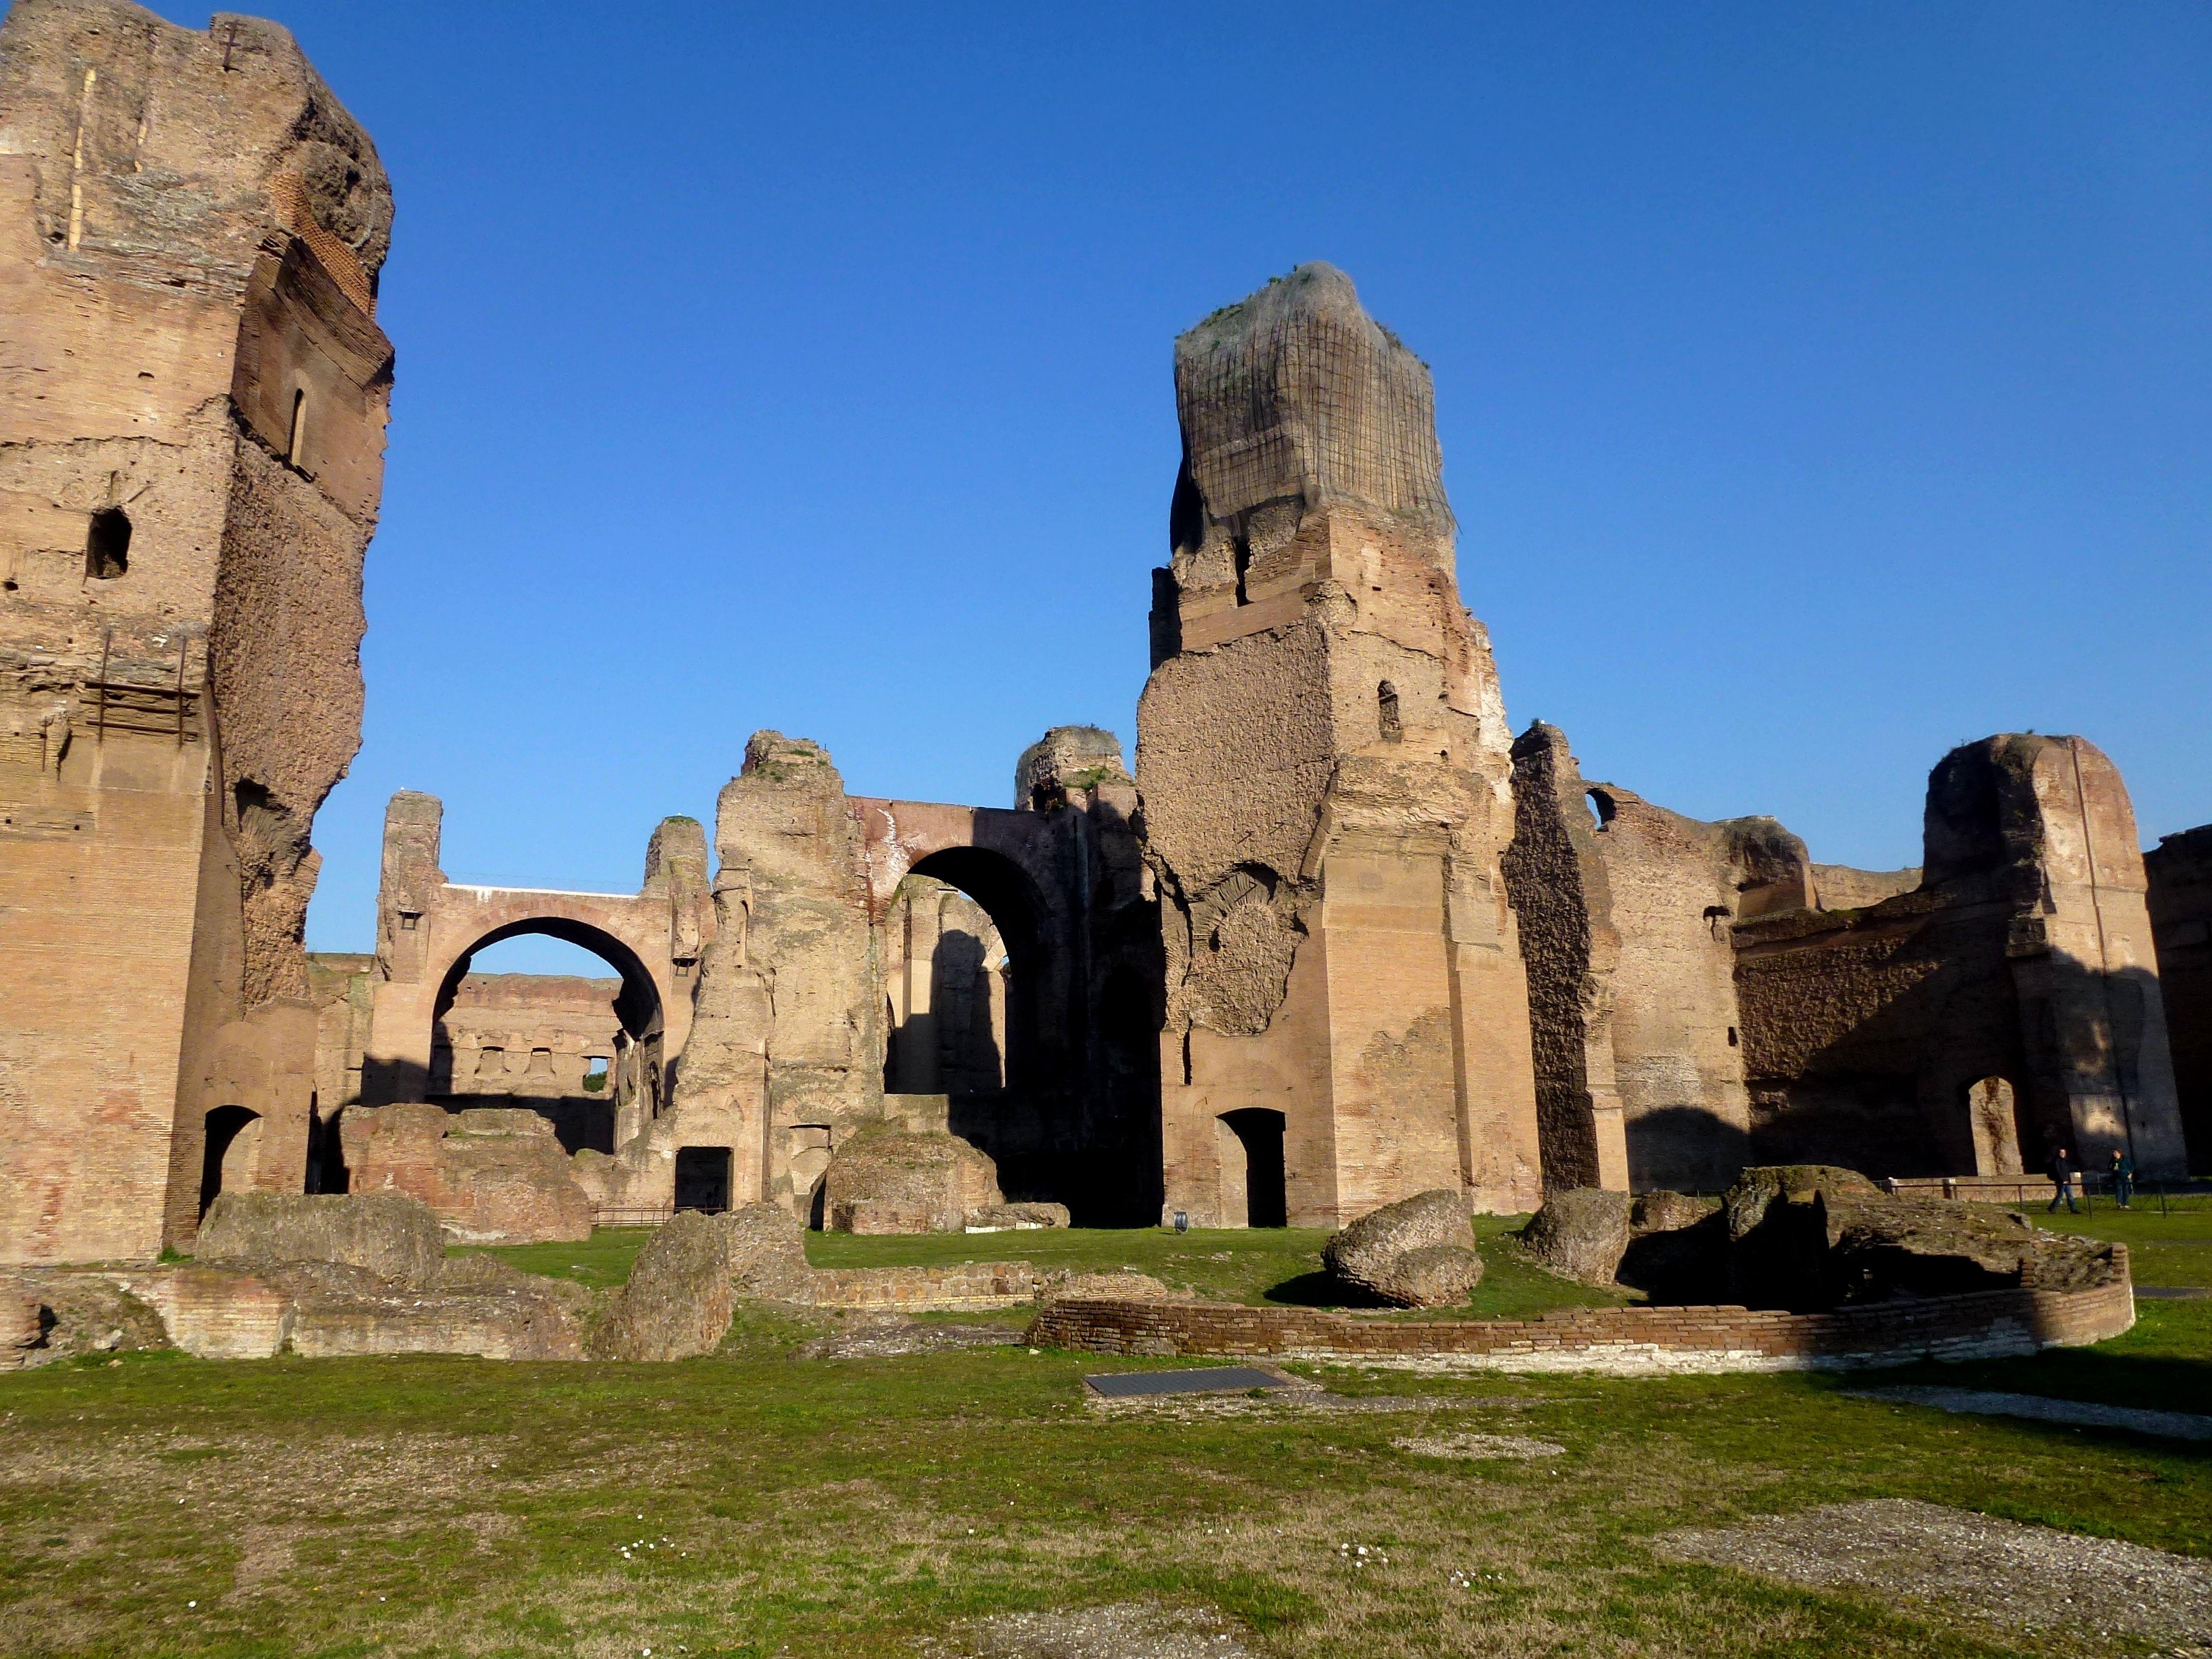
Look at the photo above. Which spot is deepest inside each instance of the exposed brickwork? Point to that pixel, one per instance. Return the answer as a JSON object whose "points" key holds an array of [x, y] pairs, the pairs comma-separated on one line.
{"points": [[1621, 1341], [970, 1285]]}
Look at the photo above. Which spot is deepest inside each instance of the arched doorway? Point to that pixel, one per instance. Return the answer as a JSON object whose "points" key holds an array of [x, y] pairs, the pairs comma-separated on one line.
{"points": [[967, 992], [1254, 1190], [227, 1158], [583, 1050]]}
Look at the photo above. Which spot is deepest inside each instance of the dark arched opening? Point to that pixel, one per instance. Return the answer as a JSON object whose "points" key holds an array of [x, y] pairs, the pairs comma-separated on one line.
{"points": [[1387, 717], [1028, 1121], [233, 1139], [107, 544], [1253, 1181], [1008, 897], [582, 1053], [1129, 1042]]}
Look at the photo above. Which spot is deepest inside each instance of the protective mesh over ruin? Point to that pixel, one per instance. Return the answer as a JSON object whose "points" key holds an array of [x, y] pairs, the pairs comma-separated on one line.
{"points": [[1296, 393]]}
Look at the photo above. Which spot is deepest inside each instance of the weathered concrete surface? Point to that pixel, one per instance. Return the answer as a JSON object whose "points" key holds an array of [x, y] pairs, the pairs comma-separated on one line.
{"points": [[490, 1176], [886, 1180], [478, 1306], [1322, 758], [1872, 1037], [394, 1237], [192, 436], [1417, 1253], [2179, 870]]}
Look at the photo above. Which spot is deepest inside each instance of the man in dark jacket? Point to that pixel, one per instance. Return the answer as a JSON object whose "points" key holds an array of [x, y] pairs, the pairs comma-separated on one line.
{"points": [[2062, 1178], [2123, 1179]]}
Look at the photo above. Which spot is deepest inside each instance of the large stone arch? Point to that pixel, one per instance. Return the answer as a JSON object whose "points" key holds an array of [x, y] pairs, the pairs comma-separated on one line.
{"points": [[429, 928]]}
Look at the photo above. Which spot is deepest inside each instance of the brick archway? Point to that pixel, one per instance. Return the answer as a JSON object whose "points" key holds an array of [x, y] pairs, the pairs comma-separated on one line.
{"points": [[427, 929]]}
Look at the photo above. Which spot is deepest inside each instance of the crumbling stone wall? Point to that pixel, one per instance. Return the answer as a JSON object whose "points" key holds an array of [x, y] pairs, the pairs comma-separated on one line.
{"points": [[1634, 908], [191, 430], [2025, 955], [785, 1056], [1322, 757], [1556, 880], [2179, 872], [492, 1176]]}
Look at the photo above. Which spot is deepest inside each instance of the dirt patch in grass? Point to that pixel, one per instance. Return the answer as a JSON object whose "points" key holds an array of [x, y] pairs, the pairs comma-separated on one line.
{"points": [[2026, 1578], [1122, 1630], [1472, 1447], [893, 1338]]}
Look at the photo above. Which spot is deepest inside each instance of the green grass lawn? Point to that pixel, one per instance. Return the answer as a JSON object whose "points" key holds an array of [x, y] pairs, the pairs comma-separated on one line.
{"points": [[1259, 1266], [774, 1505]]}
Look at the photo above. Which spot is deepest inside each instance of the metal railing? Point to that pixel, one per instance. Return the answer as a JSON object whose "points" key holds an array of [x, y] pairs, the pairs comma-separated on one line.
{"points": [[645, 1215]]}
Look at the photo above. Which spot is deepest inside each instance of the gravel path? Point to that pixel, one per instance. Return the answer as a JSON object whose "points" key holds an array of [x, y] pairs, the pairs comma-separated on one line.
{"points": [[2028, 1577], [2171, 1425]]}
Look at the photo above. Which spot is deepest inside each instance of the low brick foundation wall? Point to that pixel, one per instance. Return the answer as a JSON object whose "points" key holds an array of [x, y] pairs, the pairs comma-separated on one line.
{"points": [[1619, 1341], [974, 1286]]}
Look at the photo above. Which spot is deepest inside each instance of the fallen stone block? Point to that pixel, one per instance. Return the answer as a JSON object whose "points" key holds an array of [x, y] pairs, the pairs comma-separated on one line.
{"points": [[491, 1175], [886, 1179], [679, 1299], [391, 1235], [1581, 1233], [214, 1313], [767, 1253], [1365, 1254], [1664, 1212]]}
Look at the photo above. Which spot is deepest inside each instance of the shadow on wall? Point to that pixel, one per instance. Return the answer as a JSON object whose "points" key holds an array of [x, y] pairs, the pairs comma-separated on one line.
{"points": [[1678, 1148], [1909, 1086]]}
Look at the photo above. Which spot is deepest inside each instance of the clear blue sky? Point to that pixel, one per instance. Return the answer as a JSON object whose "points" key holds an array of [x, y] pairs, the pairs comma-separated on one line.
{"points": [[1819, 386]]}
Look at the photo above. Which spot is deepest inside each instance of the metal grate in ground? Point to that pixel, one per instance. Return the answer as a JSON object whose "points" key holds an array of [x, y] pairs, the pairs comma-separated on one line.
{"points": [[1210, 1379]]}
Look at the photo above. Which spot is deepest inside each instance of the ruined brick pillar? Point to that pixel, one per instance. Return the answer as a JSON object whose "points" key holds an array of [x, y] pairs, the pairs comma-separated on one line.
{"points": [[1323, 761], [786, 1051], [2044, 825], [193, 405]]}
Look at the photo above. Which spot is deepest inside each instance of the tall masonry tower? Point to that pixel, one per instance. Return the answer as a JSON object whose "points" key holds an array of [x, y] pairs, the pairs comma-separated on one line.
{"points": [[1325, 781], [193, 401]]}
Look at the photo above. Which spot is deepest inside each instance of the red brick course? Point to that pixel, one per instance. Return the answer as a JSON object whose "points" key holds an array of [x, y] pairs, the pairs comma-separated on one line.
{"points": [[1985, 1324]]}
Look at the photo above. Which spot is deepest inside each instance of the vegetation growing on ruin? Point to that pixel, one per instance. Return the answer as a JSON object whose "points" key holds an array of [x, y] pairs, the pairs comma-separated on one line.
{"points": [[761, 1503]]}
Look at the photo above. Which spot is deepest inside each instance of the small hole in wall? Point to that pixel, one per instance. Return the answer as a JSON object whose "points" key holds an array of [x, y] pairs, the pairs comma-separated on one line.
{"points": [[107, 544], [299, 433], [1732, 1038], [1243, 557], [1386, 712], [1603, 807]]}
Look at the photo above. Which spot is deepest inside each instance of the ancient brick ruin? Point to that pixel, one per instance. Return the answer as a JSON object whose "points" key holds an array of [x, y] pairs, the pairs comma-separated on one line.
{"points": [[191, 452], [1341, 939]]}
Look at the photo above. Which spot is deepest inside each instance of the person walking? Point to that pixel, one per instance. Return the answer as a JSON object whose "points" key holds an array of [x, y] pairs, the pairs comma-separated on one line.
{"points": [[2062, 1180], [2123, 1178]]}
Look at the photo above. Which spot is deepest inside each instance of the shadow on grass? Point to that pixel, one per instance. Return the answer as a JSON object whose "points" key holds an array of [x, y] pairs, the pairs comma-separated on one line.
{"points": [[1320, 1289], [2164, 1365]]}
